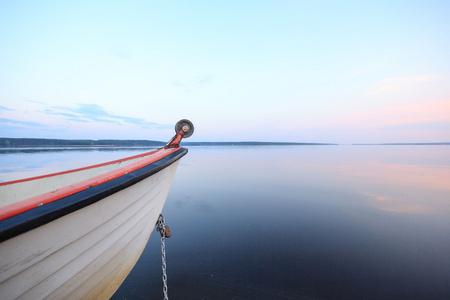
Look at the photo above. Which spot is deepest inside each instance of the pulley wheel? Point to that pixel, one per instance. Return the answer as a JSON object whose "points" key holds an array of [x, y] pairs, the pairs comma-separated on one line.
{"points": [[186, 126]]}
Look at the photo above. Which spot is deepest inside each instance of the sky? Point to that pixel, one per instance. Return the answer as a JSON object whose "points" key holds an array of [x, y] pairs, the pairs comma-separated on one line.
{"points": [[253, 70]]}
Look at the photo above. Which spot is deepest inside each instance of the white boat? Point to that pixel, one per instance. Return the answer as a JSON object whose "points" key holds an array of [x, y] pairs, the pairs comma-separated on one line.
{"points": [[77, 234]]}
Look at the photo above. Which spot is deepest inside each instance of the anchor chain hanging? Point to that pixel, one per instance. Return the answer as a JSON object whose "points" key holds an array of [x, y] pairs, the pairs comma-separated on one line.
{"points": [[165, 232]]}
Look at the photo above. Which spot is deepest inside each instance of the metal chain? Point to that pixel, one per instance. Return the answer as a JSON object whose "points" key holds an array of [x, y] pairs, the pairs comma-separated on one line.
{"points": [[161, 227]]}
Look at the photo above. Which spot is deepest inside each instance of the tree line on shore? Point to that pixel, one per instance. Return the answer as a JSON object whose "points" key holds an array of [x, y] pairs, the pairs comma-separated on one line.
{"points": [[37, 142], [40, 142]]}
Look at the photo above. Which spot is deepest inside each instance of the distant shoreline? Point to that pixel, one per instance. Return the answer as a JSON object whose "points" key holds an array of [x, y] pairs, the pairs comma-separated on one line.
{"points": [[251, 144], [43, 143], [46, 143], [402, 144]]}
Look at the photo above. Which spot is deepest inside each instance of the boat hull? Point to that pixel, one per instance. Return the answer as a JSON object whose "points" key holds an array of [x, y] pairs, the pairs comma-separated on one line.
{"points": [[87, 253]]}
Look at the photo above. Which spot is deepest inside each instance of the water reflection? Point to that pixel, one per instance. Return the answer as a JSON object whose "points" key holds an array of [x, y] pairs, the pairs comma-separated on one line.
{"points": [[296, 222], [334, 222]]}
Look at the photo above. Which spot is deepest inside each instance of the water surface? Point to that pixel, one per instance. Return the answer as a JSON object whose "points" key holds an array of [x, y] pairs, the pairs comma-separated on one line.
{"points": [[292, 222]]}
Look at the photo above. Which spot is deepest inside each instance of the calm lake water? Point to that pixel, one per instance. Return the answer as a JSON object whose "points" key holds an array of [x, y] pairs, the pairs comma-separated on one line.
{"points": [[290, 222]]}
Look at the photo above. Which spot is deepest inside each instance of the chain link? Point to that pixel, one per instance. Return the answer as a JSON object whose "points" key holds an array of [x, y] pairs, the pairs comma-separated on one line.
{"points": [[161, 227]]}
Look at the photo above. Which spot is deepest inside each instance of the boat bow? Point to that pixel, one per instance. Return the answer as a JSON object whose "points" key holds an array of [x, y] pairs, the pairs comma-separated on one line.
{"points": [[77, 234]]}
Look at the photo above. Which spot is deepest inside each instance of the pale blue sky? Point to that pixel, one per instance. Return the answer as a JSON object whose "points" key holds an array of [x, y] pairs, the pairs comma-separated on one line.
{"points": [[298, 71]]}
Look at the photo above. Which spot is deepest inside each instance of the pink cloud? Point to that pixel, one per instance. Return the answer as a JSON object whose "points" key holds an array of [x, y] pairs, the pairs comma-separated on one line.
{"points": [[397, 84], [432, 111], [401, 114]]}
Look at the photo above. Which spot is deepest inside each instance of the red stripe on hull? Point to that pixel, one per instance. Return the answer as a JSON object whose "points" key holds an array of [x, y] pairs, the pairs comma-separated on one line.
{"points": [[22, 206]]}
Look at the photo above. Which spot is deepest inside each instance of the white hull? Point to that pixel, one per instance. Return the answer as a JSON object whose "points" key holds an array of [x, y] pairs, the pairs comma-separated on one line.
{"points": [[88, 253]]}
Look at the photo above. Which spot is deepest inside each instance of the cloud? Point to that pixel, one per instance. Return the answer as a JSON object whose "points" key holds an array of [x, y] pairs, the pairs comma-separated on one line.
{"points": [[123, 55], [418, 126], [94, 112], [35, 101], [204, 79], [16, 123], [86, 112], [431, 113], [397, 84], [194, 81], [67, 116], [54, 112], [5, 108], [427, 114]]}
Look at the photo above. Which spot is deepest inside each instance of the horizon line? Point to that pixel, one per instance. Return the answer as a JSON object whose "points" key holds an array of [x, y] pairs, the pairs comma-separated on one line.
{"points": [[188, 143]]}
